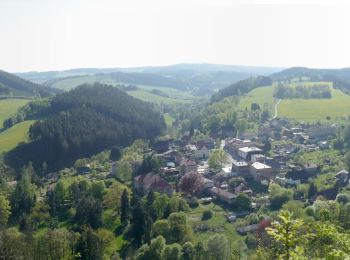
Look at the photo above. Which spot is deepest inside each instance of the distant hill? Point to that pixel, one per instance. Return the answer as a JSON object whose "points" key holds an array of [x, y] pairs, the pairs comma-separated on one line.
{"points": [[200, 78], [83, 122], [133, 78], [13, 85]]}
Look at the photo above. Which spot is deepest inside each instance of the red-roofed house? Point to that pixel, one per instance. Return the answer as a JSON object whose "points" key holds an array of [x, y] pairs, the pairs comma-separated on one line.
{"points": [[152, 182]]}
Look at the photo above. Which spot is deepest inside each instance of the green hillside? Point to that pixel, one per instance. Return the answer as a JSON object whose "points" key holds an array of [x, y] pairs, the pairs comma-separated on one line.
{"points": [[8, 107], [11, 137], [337, 107]]}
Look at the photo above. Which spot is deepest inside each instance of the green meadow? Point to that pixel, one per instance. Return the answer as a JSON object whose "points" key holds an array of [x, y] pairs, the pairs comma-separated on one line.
{"points": [[11, 137], [335, 109]]}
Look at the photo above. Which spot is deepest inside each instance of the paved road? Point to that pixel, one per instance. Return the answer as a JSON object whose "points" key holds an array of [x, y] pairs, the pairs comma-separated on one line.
{"points": [[276, 106]]}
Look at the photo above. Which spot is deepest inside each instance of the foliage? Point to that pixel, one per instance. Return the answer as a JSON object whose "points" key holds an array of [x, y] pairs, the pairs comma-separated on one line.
{"points": [[85, 121]]}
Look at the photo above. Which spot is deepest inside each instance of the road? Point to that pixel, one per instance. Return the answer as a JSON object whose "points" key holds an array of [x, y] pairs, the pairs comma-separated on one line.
{"points": [[276, 106]]}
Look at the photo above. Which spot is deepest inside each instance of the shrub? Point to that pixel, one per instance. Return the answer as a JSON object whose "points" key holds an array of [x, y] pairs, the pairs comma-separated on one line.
{"points": [[207, 214]]}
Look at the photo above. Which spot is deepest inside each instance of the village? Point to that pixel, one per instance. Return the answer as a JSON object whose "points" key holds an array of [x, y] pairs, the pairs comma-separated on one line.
{"points": [[251, 163]]}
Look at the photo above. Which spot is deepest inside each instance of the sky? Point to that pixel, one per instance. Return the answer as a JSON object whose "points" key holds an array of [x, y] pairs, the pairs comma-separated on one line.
{"points": [[41, 35]]}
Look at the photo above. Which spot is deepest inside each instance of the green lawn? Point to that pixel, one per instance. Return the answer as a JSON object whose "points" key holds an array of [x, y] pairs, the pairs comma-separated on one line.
{"points": [[262, 96], [8, 107], [337, 107], [11, 137], [218, 222]]}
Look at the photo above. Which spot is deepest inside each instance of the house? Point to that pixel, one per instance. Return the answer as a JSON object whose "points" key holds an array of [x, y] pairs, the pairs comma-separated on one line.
{"points": [[260, 171], [241, 168], [247, 229], [242, 188], [322, 131], [301, 173], [208, 142], [247, 152], [84, 169], [342, 177], [234, 144], [152, 182], [202, 152], [207, 183], [188, 165], [161, 146], [222, 195]]}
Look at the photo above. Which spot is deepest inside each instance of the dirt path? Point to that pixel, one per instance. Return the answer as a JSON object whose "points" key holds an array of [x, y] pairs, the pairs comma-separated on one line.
{"points": [[276, 108]]}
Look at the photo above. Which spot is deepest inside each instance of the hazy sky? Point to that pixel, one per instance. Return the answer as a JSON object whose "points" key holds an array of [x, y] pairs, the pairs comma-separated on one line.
{"points": [[62, 34]]}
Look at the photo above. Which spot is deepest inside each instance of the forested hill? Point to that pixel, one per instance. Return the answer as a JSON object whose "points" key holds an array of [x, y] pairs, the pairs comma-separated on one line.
{"points": [[241, 87], [11, 84], [85, 121], [339, 77]]}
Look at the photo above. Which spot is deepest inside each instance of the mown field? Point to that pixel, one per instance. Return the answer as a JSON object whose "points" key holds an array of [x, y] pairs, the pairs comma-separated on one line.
{"points": [[217, 224], [9, 138], [335, 109], [8, 107]]}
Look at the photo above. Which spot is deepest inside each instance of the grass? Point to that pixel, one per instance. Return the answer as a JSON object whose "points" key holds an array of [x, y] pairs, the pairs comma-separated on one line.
{"points": [[8, 107], [11, 137], [262, 96], [308, 110], [337, 107], [218, 222]]}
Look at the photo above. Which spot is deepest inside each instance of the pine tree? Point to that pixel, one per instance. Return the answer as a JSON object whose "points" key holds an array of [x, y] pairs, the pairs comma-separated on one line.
{"points": [[125, 208]]}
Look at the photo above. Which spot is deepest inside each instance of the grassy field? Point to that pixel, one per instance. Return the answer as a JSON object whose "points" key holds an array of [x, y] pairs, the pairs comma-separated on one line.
{"points": [[262, 96], [11, 137], [8, 107], [218, 224], [337, 107]]}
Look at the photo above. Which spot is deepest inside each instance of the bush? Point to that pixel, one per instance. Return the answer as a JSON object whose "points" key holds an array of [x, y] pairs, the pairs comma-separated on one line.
{"points": [[193, 202], [207, 214]]}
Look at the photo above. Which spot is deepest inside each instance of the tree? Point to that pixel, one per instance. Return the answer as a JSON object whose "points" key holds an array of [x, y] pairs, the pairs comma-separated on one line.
{"points": [[113, 195], [191, 183], [217, 158], [89, 212], [188, 251], [180, 230], [5, 210], [153, 251], [312, 190], [115, 153], [56, 244], [254, 106], [172, 252], [218, 248], [265, 115], [23, 197], [124, 208], [141, 222], [243, 201], [90, 245], [286, 233]]}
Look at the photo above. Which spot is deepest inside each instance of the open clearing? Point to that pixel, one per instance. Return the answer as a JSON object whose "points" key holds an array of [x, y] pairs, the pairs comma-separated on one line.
{"points": [[9, 138], [337, 107], [8, 107]]}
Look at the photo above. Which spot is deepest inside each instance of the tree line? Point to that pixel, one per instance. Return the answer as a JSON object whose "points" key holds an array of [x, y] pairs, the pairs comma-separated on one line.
{"points": [[306, 92]]}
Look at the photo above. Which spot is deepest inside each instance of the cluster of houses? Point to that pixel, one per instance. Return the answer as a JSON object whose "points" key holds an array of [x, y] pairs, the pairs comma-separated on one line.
{"points": [[248, 161]]}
